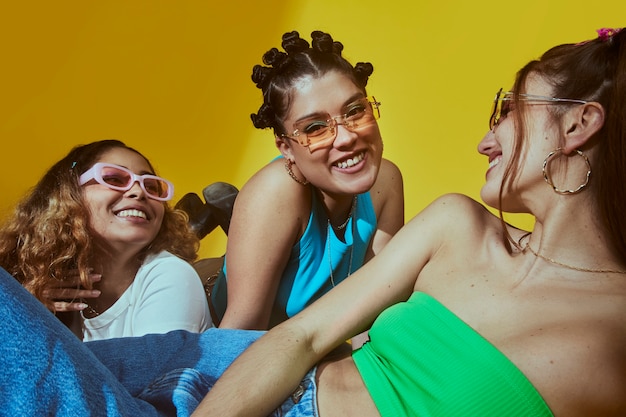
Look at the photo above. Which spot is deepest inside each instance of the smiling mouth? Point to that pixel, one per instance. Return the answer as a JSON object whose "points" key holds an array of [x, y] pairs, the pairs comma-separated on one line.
{"points": [[494, 162], [351, 161], [132, 213]]}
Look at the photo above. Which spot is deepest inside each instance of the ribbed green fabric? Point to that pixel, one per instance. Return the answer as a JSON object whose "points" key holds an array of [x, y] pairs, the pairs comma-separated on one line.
{"points": [[423, 360]]}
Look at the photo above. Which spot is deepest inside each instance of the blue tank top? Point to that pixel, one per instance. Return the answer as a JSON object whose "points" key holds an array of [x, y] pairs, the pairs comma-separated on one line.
{"points": [[307, 275]]}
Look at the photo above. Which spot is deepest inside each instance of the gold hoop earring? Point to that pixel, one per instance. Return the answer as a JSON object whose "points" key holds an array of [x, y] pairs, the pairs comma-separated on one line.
{"points": [[549, 181], [288, 164]]}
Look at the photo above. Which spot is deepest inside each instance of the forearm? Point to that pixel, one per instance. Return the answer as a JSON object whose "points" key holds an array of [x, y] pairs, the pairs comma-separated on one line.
{"points": [[249, 320], [262, 377]]}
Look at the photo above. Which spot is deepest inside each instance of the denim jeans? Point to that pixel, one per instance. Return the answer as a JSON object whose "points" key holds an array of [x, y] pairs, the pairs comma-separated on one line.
{"points": [[45, 370]]}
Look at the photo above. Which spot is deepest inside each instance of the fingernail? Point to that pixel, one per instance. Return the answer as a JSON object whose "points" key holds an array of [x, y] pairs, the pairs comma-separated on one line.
{"points": [[81, 306], [95, 292], [95, 277]]}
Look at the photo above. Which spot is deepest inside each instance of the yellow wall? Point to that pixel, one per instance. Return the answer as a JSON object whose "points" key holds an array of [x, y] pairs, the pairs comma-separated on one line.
{"points": [[172, 78]]}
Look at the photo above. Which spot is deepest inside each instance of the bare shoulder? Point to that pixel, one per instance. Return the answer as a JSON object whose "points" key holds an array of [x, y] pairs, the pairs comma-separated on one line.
{"points": [[272, 187], [447, 219], [387, 195], [452, 220], [270, 205], [389, 178], [389, 168], [460, 209], [272, 173]]}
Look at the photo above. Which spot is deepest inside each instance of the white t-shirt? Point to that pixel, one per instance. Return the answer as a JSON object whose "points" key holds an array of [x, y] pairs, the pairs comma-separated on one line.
{"points": [[166, 295]]}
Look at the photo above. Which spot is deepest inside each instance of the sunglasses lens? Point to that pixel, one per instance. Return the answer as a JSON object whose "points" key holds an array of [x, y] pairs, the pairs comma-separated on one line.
{"points": [[495, 110], [495, 114], [360, 111], [373, 105], [156, 187], [115, 177], [316, 130]]}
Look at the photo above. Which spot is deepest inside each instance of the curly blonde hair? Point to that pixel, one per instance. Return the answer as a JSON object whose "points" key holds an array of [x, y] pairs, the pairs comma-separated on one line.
{"points": [[48, 237]]}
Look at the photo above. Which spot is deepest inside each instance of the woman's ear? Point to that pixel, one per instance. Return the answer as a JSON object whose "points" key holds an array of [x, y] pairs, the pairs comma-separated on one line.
{"points": [[580, 124], [283, 145]]}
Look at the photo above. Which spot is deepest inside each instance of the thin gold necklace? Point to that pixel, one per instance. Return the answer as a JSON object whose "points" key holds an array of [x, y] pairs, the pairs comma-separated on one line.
{"points": [[92, 311], [341, 226], [345, 223], [561, 264]]}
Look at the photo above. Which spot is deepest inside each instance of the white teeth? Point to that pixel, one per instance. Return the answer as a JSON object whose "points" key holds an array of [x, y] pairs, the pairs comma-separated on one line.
{"points": [[350, 162], [495, 162], [132, 213]]}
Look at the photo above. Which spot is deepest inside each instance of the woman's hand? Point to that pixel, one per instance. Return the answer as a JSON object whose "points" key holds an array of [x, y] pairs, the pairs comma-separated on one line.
{"points": [[68, 295]]}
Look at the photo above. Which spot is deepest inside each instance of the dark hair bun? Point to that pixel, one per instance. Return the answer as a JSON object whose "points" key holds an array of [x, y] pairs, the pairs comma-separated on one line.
{"points": [[362, 72], [293, 43]]}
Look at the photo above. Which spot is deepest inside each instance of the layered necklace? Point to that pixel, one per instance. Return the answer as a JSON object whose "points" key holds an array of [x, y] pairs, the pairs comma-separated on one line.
{"points": [[561, 264], [340, 227]]}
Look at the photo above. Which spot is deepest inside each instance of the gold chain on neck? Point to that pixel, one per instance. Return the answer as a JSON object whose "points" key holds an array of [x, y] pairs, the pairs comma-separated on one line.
{"points": [[92, 311], [561, 264], [345, 223], [341, 226]]}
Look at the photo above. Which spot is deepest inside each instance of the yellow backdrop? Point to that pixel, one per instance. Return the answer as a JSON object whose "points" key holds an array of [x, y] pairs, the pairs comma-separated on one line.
{"points": [[172, 78]]}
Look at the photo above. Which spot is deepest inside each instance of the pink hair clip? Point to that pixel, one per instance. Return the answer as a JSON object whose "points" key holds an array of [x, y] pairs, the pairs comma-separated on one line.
{"points": [[606, 33]]}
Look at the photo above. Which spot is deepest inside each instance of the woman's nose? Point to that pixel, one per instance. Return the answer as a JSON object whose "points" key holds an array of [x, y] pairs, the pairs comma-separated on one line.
{"points": [[136, 191], [487, 143], [345, 137]]}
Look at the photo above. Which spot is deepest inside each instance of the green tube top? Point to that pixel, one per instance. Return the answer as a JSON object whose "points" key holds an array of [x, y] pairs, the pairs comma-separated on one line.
{"points": [[423, 360]]}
